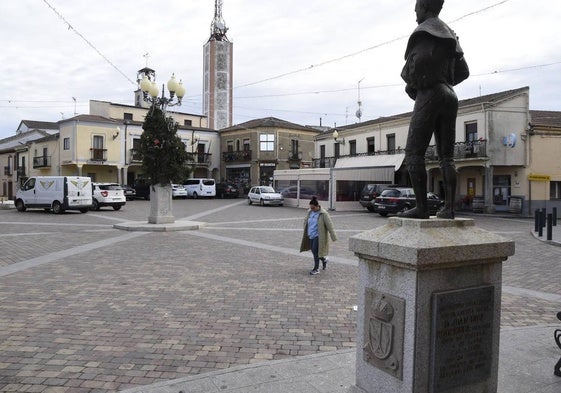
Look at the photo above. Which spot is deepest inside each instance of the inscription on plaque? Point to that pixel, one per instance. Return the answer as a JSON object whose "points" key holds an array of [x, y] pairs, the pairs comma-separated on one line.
{"points": [[383, 331], [461, 337]]}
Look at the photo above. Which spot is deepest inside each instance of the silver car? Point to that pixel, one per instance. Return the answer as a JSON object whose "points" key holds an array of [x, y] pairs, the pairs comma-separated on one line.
{"points": [[264, 195]]}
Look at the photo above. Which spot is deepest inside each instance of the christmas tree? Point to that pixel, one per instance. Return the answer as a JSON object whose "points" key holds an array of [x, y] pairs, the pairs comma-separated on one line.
{"points": [[163, 152]]}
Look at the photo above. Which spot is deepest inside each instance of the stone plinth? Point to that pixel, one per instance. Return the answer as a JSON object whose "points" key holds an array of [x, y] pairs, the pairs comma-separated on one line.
{"points": [[429, 306], [160, 205]]}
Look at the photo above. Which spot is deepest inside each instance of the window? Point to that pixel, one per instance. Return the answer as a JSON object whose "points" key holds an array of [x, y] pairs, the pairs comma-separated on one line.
{"points": [[246, 145], [555, 190], [370, 145], [352, 148], [501, 189], [337, 149], [187, 122], [66, 143], [390, 140], [294, 148], [471, 132], [230, 146], [127, 116], [267, 142], [98, 153]]}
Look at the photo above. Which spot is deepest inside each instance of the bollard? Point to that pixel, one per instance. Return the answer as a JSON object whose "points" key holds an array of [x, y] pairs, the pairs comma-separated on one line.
{"points": [[557, 335], [549, 226], [540, 227], [554, 216], [536, 220], [544, 210]]}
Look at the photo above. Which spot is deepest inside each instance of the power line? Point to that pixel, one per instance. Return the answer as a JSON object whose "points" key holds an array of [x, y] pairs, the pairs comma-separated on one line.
{"points": [[362, 50], [70, 27]]}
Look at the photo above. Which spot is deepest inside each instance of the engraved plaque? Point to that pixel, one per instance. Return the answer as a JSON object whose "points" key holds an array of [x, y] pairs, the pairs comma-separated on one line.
{"points": [[461, 337], [383, 331]]}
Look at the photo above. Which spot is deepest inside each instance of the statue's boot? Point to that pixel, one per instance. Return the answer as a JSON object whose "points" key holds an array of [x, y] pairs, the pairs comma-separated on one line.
{"points": [[449, 177], [414, 213], [418, 176]]}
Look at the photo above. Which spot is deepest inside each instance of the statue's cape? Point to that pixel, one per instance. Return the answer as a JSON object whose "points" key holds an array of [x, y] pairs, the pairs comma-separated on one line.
{"points": [[436, 28]]}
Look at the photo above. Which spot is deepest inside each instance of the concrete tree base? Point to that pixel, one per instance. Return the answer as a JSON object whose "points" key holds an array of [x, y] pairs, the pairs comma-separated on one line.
{"points": [[429, 306], [160, 205]]}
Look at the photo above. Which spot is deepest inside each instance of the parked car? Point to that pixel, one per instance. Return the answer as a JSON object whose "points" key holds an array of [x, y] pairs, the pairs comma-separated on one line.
{"points": [[200, 188], [130, 193], [227, 190], [369, 193], [395, 200], [292, 192], [264, 195], [178, 191], [142, 188], [108, 194]]}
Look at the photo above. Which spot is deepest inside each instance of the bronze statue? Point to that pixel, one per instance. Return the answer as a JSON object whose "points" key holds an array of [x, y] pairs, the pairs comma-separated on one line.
{"points": [[434, 63]]}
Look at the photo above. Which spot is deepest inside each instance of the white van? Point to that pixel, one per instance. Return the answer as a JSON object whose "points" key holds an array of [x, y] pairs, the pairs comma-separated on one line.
{"points": [[200, 188], [56, 193]]}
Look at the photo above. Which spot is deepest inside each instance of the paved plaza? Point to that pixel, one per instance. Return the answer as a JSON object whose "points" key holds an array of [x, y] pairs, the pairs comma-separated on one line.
{"points": [[85, 307]]}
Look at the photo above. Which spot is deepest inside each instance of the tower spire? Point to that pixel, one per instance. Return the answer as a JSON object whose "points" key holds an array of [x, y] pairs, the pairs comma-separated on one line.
{"points": [[218, 27]]}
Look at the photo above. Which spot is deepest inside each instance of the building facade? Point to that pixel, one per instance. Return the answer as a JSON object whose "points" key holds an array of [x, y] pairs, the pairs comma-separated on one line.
{"points": [[252, 151], [504, 155]]}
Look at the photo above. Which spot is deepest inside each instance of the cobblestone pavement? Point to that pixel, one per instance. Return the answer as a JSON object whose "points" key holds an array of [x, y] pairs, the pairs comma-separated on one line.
{"points": [[86, 308]]}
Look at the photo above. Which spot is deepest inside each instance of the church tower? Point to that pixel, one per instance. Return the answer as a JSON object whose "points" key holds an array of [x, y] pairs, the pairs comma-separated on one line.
{"points": [[218, 73]]}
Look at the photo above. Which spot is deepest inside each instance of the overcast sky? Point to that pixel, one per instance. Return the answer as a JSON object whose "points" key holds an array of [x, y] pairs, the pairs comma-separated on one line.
{"points": [[298, 60]]}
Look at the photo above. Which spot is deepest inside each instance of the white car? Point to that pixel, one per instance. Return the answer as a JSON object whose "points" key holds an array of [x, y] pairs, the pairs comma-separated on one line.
{"points": [[178, 191], [264, 195], [108, 194]]}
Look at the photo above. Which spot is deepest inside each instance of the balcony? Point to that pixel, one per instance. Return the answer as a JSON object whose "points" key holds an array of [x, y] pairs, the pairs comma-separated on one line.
{"points": [[199, 158], [236, 156], [7, 171], [98, 154], [42, 162], [329, 162], [462, 151], [135, 155], [21, 172]]}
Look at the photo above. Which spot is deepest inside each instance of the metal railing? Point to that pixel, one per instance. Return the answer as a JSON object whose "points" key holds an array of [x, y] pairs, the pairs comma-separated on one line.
{"points": [[98, 154], [135, 155], [42, 162], [232, 156], [8, 171], [462, 150], [199, 158]]}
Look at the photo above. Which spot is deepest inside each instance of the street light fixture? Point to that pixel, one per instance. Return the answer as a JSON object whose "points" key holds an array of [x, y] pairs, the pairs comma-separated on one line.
{"points": [[150, 91], [337, 139]]}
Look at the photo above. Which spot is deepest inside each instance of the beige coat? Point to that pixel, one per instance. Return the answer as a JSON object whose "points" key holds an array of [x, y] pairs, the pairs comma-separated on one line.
{"points": [[325, 226]]}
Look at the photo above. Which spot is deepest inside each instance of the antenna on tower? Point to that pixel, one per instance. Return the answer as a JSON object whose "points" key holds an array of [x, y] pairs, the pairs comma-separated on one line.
{"points": [[359, 110], [218, 27]]}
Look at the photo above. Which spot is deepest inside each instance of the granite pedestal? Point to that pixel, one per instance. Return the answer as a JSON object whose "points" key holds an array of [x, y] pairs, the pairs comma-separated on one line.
{"points": [[160, 205], [429, 306]]}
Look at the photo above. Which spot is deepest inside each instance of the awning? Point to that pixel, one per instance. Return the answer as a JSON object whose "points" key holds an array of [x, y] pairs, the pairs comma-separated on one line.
{"points": [[368, 168], [381, 160]]}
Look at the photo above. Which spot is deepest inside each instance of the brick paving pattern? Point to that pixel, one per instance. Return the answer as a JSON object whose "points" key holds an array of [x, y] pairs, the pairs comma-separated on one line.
{"points": [[135, 310]]}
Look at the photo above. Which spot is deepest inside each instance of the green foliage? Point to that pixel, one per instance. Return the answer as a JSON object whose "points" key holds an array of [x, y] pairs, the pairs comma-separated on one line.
{"points": [[163, 154]]}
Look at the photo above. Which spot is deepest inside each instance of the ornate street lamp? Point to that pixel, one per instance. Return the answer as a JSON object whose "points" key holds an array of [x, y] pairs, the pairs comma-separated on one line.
{"points": [[151, 92]]}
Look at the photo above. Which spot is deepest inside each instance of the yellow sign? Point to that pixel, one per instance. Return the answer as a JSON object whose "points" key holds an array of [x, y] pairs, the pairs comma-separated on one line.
{"points": [[537, 177]]}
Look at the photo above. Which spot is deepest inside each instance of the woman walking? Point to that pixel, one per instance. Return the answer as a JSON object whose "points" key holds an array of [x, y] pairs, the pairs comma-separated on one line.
{"points": [[317, 226]]}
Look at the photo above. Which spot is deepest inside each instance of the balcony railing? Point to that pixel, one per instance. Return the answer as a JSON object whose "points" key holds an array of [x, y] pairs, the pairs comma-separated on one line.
{"points": [[21, 172], [135, 155], [98, 154], [42, 162], [8, 171], [232, 156], [295, 156], [199, 158], [462, 150]]}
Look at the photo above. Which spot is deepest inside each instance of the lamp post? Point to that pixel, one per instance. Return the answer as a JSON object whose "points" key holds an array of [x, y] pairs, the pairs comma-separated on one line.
{"points": [[163, 154]]}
